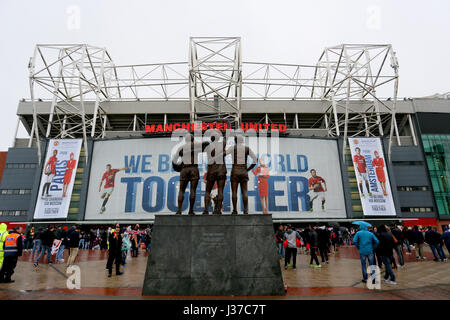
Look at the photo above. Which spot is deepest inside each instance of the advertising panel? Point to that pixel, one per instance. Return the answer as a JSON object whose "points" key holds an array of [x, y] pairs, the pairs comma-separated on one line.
{"points": [[57, 180], [372, 177], [134, 179]]}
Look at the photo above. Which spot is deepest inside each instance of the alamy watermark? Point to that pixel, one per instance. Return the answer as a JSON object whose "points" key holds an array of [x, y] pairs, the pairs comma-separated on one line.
{"points": [[74, 278]]}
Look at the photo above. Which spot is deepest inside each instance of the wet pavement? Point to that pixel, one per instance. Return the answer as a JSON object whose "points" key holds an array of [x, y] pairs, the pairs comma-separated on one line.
{"points": [[340, 279]]}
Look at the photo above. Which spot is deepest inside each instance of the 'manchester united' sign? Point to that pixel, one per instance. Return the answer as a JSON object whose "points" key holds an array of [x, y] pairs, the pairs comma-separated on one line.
{"points": [[220, 126]]}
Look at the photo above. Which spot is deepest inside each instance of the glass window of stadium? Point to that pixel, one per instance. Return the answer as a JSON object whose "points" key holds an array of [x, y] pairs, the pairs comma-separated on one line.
{"points": [[437, 152]]}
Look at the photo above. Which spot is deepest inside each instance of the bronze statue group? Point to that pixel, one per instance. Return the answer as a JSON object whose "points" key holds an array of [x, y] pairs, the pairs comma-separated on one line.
{"points": [[216, 152]]}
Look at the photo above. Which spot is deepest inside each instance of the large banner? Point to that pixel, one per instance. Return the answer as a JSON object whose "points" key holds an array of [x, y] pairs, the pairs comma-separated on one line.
{"points": [[372, 177], [134, 179], [58, 176]]}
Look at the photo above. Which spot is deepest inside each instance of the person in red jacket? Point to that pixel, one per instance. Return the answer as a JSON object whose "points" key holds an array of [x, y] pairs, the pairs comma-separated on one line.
{"points": [[71, 165], [262, 172]]}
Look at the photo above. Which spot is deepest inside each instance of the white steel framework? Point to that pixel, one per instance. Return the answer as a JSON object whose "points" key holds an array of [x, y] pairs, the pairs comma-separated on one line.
{"points": [[215, 81], [215, 78]]}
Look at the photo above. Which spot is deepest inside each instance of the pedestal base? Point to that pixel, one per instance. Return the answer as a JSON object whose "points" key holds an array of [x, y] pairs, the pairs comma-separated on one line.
{"points": [[215, 255]]}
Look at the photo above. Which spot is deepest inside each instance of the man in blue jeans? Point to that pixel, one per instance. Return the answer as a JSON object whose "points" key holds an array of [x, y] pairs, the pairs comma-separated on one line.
{"points": [[47, 238], [280, 238], [61, 235], [37, 243], [433, 238], [366, 242]]}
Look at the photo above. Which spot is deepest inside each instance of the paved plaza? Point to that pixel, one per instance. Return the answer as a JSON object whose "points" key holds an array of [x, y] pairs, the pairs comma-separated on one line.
{"points": [[340, 279]]}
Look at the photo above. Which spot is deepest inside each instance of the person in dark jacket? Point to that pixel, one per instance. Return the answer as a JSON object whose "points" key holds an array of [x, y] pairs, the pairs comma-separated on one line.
{"points": [[398, 247], [386, 249], [376, 252], [305, 236], [37, 243], [407, 238], [446, 239], [313, 247], [47, 238], [323, 239], [74, 239], [115, 251], [279, 236], [433, 238], [291, 236], [334, 236], [11, 254], [61, 235], [418, 240], [103, 239]]}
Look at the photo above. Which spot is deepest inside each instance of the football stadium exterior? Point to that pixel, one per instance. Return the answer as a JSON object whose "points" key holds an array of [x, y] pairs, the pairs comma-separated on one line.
{"points": [[347, 148]]}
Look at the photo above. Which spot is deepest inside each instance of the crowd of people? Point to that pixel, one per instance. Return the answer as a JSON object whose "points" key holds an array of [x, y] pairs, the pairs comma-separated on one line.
{"points": [[382, 246], [317, 241], [53, 241]]}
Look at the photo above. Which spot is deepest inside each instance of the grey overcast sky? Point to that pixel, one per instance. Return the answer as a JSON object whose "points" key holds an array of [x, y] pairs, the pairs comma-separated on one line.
{"points": [[272, 31]]}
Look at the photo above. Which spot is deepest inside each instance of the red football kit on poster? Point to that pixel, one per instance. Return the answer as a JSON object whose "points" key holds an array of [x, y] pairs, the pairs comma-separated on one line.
{"points": [[360, 162], [110, 176], [312, 181], [52, 162]]}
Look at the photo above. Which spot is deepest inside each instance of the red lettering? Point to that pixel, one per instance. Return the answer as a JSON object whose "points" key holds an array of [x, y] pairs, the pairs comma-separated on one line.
{"points": [[150, 128], [282, 127], [159, 128], [176, 126], [219, 126], [168, 127], [186, 126]]}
